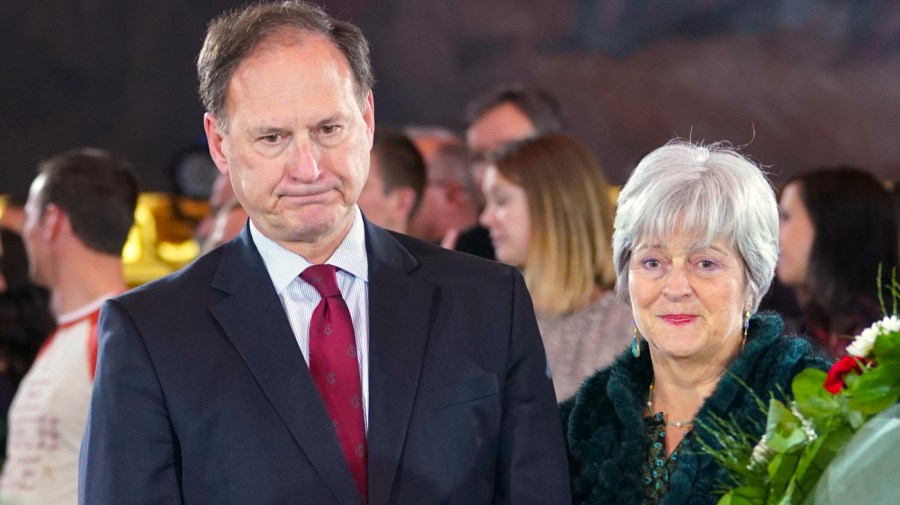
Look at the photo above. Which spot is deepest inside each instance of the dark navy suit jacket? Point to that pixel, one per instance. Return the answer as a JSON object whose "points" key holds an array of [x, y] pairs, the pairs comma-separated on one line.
{"points": [[202, 395]]}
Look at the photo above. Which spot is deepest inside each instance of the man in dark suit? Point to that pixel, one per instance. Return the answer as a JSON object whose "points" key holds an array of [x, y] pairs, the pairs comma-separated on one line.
{"points": [[228, 382]]}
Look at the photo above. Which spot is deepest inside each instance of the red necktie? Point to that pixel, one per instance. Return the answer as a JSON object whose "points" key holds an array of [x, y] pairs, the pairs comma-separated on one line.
{"points": [[335, 369]]}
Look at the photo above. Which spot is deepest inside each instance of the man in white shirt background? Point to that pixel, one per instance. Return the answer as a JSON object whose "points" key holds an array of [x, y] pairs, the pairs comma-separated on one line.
{"points": [[79, 211]]}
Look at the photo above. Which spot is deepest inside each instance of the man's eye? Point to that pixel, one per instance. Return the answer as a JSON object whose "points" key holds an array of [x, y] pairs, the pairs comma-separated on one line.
{"points": [[271, 138], [329, 129]]}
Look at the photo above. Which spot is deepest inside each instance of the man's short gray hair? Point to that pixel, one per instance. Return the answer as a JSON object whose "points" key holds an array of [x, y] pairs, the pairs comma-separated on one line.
{"points": [[233, 36], [710, 192]]}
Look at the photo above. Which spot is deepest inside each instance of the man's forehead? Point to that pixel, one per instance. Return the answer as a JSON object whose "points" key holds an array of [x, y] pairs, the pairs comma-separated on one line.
{"points": [[281, 70], [291, 58]]}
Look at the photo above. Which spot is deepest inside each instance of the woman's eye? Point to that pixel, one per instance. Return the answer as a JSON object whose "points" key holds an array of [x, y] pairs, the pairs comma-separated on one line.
{"points": [[651, 263], [707, 264]]}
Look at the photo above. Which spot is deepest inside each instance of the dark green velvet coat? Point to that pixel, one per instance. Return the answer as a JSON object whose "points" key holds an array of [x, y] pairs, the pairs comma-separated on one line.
{"points": [[604, 425]]}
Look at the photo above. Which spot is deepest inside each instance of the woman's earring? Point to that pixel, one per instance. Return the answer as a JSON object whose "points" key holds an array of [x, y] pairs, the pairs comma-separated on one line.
{"points": [[636, 343], [746, 319]]}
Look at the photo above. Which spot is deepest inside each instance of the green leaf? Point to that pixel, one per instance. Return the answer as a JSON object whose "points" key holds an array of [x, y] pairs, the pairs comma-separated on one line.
{"points": [[784, 432], [808, 383], [856, 419], [744, 495], [788, 497], [781, 469], [887, 344], [817, 456], [812, 399], [887, 352], [873, 392]]}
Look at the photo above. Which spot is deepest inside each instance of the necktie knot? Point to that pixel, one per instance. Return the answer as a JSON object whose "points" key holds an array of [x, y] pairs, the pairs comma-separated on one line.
{"points": [[323, 278]]}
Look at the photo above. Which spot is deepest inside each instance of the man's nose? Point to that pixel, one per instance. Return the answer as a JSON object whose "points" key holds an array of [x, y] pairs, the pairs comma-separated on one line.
{"points": [[302, 162]]}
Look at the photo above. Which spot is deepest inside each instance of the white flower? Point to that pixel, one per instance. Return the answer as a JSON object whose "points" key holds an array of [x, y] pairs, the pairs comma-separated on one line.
{"points": [[863, 343], [806, 424], [891, 324], [761, 456]]}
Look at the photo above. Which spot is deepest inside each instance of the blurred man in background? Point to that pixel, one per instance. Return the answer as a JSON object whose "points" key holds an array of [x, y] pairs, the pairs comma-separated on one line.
{"points": [[79, 211], [396, 180], [507, 114], [451, 200]]}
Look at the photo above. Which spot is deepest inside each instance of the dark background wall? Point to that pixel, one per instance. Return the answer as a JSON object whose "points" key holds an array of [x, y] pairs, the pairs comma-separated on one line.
{"points": [[801, 82]]}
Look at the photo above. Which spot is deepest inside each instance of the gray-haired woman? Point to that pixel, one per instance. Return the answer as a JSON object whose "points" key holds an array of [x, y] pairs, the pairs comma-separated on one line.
{"points": [[695, 247]]}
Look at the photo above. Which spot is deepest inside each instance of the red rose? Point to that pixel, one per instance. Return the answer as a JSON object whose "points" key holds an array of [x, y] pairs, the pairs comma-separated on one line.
{"points": [[834, 383]]}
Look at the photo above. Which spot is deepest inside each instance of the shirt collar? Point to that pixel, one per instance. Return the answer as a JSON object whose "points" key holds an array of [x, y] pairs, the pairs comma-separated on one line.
{"points": [[85, 310], [284, 266]]}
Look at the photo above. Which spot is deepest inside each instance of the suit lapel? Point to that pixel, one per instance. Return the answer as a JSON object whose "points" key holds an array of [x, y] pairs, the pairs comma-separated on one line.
{"points": [[399, 316], [254, 320]]}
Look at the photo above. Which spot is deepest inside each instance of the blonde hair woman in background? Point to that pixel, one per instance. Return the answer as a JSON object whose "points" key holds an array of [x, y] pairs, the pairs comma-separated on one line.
{"points": [[549, 213]]}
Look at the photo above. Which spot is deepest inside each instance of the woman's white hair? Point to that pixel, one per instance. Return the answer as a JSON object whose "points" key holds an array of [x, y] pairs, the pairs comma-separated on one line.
{"points": [[709, 192]]}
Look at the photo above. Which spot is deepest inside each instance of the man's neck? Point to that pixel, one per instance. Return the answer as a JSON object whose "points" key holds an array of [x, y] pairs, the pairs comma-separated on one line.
{"points": [[401, 227], [319, 251], [81, 282]]}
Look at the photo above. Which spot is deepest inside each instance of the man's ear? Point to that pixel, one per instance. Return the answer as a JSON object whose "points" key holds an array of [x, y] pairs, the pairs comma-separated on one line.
{"points": [[369, 117], [215, 139], [53, 222], [402, 201]]}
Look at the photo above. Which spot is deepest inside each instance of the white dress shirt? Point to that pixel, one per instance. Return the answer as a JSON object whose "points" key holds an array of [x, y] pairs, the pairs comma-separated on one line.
{"points": [[300, 298]]}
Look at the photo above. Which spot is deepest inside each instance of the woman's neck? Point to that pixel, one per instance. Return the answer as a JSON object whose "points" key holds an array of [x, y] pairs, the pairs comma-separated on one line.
{"points": [[681, 385]]}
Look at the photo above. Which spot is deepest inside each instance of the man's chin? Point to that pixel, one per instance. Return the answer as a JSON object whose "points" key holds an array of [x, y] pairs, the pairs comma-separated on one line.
{"points": [[312, 225]]}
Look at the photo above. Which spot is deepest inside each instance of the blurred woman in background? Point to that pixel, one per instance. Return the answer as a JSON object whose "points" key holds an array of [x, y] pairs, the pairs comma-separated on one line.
{"points": [[837, 227], [549, 212]]}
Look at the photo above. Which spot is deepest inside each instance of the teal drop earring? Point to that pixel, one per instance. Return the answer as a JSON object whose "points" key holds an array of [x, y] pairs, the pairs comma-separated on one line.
{"points": [[636, 343]]}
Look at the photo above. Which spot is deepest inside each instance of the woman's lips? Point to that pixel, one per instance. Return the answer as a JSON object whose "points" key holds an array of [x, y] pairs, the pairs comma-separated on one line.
{"points": [[678, 319]]}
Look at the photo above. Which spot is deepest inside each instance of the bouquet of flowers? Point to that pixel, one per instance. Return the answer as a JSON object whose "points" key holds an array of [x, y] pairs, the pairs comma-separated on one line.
{"points": [[804, 434]]}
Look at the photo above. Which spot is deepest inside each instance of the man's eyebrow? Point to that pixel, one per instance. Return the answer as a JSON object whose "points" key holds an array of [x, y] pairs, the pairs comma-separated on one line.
{"points": [[334, 118], [266, 129]]}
